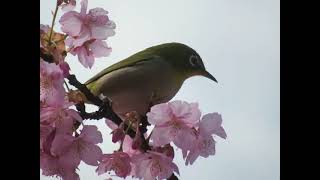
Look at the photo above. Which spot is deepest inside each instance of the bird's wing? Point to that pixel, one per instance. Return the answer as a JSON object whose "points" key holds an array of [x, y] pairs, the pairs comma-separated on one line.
{"points": [[130, 61]]}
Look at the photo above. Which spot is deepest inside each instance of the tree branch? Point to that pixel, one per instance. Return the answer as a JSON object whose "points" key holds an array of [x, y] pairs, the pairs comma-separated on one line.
{"points": [[105, 110], [173, 177]]}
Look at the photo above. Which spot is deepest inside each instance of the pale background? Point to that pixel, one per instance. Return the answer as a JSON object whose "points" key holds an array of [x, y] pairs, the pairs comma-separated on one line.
{"points": [[239, 43]]}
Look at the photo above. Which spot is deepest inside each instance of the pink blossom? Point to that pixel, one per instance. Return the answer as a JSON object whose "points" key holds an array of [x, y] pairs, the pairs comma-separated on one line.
{"points": [[137, 140], [63, 166], [89, 51], [118, 133], [65, 152], [60, 117], [111, 124], [211, 124], [85, 145], [45, 131], [60, 120], [83, 27], [166, 150], [127, 146], [119, 162], [68, 5], [204, 145], [44, 29], [152, 165], [174, 122], [64, 66], [52, 91]]}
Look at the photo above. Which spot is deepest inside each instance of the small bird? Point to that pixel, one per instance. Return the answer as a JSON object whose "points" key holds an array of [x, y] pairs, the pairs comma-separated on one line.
{"points": [[147, 78]]}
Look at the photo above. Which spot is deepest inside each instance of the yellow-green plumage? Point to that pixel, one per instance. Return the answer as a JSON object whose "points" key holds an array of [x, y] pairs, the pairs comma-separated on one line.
{"points": [[151, 76]]}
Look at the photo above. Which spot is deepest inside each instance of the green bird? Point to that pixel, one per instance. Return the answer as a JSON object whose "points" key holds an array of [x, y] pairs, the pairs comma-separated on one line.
{"points": [[149, 77]]}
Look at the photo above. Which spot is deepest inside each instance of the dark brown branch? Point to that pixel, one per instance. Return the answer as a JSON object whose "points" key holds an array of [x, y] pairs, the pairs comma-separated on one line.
{"points": [[173, 177], [105, 110]]}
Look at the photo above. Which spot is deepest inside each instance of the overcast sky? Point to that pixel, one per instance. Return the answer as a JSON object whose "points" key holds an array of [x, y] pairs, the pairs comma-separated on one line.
{"points": [[239, 42]]}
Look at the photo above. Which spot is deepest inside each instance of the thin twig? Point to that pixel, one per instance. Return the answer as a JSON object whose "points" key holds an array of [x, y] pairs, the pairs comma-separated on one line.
{"points": [[52, 24]]}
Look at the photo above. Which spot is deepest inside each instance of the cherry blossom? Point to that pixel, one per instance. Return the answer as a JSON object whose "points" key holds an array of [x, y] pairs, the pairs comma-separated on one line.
{"points": [[64, 66], [119, 162], [89, 51], [204, 145], [152, 165], [127, 146], [63, 166], [51, 84], [68, 5], [82, 27], [86, 145], [173, 122]]}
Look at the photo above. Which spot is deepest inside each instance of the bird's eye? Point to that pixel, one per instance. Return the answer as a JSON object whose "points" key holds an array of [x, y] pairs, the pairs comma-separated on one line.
{"points": [[194, 61]]}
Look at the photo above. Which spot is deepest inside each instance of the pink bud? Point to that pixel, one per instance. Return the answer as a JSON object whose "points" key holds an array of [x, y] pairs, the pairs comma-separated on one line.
{"points": [[117, 135], [137, 141], [65, 69], [166, 150]]}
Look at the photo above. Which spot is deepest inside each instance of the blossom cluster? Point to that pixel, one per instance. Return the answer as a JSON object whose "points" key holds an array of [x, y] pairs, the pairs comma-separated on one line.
{"points": [[65, 139], [177, 123], [62, 144]]}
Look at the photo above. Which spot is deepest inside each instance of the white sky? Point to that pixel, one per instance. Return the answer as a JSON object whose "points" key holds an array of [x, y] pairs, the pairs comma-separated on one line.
{"points": [[239, 41]]}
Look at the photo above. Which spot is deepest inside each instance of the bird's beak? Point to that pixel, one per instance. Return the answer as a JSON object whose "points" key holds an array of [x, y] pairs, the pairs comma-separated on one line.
{"points": [[208, 75]]}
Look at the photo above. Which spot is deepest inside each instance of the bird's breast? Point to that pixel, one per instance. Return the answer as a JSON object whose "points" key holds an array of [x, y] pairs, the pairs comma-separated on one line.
{"points": [[137, 87]]}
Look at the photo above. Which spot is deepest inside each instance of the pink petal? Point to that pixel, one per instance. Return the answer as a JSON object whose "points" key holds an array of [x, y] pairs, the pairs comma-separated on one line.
{"points": [[141, 165], [159, 114], [90, 154], [64, 66], [85, 57], [75, 115], [101, 32], [118, 162], [83, 37], [208, 147], [91, 134], [189, 113], [185, 138], [111, 124], [117, 135], [71, 23], [70, 160], [99, 48], [68, 7], [163, 166], [137, 141], [192, 156], [211, 124], [97, 12], [48, 164], [84, 6], [163, 135], [127, 146], [71, 176], [61, 143], [148, 175], [44, 28]]}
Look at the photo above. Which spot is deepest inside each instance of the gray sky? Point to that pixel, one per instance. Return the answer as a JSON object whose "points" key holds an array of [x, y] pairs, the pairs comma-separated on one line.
{"points": [[239, 42]]}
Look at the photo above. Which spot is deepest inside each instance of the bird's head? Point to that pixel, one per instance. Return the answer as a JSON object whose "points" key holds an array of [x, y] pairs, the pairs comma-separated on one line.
{"points": [[184, 59]]}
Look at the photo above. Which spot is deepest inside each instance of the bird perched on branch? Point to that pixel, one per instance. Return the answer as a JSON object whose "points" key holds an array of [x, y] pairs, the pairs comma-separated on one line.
{"points": [[149, 77]]}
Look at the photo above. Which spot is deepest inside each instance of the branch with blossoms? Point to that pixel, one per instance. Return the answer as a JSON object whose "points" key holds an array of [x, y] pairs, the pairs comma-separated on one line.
{"points": [[66, 139]]}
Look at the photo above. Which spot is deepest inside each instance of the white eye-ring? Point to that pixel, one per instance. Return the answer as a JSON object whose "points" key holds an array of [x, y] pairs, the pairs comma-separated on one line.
{"points": [[194, 61]]}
